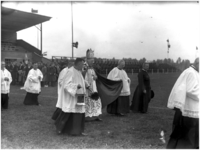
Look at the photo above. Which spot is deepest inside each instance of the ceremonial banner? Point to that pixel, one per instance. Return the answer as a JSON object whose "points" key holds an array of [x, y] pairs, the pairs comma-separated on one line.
{"points": [[108, 90]]}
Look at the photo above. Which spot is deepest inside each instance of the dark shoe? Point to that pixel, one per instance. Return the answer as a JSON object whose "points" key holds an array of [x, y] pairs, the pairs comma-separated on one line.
{"points": [[120, 114], [88, 120], [83, 134], [59, 132], [98, 119]]}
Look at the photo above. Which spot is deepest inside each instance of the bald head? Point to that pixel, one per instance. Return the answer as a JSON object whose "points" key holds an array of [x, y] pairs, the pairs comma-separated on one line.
{"points": [[145, 66], [70, 63], [121, 64], [196, 63]]}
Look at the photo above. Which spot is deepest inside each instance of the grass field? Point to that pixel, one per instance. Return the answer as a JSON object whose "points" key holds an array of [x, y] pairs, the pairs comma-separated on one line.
{"points": [[32, 126]]}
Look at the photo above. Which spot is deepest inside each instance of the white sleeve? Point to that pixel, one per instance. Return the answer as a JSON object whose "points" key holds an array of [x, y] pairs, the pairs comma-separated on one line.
{"points": [[31, 77], [192, 87], [68, 85], [113, 75], [10, 77], [41, 75]]}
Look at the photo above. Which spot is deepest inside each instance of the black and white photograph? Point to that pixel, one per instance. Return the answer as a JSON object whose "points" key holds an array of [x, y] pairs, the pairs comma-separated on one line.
{"points": [[100, 74]]}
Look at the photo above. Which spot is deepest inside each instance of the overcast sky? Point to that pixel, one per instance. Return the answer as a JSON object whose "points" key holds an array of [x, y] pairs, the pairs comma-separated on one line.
{"points": [[117, 29]]}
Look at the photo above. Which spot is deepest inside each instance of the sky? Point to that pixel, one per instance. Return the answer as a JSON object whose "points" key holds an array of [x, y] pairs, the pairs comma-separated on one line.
{"points": [[116, 29]]}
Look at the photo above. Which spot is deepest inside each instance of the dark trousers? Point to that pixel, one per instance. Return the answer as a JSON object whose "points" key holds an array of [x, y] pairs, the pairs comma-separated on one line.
{"points": [[4, 101]]}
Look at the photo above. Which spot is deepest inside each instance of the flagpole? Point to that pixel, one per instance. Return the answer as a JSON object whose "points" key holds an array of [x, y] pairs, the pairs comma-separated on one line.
{"points": [[168, 46], [72, 30], [41, 37], [196, 53]]}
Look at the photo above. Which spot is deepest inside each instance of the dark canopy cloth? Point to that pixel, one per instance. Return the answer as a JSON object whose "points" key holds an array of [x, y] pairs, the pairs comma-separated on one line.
{"points": [[31, 99], [108, 90], [140, 100], [4, 101], [185, 132], [69, 123]]}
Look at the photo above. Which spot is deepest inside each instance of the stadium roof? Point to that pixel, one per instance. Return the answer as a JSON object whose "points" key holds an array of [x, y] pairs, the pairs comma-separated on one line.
{"points": [[15, 20]]}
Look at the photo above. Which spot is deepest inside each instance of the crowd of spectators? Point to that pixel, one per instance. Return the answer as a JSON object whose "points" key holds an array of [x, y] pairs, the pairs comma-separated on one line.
{"points": [[19, 72]]}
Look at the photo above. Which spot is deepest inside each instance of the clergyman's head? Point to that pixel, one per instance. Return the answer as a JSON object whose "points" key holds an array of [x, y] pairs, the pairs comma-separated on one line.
{"points": [[78, 64], [121, 64], [196, 63]]}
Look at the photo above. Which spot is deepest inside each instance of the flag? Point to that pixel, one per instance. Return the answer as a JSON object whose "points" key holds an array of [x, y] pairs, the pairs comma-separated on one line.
{"points": [[34, 11], [196, 48], [75, 44], [44, 54]]}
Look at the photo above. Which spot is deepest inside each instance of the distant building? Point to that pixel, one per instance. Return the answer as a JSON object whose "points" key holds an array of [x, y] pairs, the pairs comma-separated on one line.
{"points": [[12, 49]]}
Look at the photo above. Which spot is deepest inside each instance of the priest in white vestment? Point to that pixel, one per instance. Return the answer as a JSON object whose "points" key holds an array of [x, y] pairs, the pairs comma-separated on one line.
{"points": [[93, 108], [70, 117], [32, 86], [184, 99], [121, 105], [61, 78], [6, 80]]}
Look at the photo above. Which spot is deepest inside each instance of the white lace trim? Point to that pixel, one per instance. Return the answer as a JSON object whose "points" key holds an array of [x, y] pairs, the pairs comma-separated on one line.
{"points": [[77, 109], [186, 113], [92, 107]]}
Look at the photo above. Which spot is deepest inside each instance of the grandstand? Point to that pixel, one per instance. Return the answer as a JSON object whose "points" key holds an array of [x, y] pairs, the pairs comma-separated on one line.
{"points": [[13, 50]]}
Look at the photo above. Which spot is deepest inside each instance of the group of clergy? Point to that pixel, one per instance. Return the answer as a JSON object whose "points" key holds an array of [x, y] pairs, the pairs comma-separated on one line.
{"points": [[83, 93], [77, 103]]}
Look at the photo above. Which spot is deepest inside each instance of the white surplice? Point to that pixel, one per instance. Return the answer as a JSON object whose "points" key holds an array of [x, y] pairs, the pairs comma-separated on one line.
{"points": [[61, 77], [68, 89], [5, 85], [117, 74], [32, 83], [185, 94]]}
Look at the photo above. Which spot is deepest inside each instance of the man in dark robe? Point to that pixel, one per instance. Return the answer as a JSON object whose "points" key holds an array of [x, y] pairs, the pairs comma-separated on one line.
{"points": [[52, 74], [15, 73], [142, 94]]}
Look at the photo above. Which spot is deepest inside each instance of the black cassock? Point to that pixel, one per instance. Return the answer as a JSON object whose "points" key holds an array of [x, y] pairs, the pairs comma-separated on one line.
{"points": [[140, 100], [185, 132]]}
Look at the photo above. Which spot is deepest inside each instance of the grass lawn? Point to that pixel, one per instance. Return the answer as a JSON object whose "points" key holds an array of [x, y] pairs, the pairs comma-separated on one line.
{"points": [[32, 126]]}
